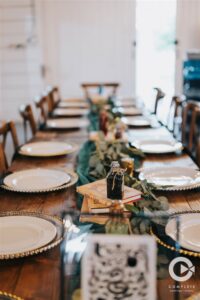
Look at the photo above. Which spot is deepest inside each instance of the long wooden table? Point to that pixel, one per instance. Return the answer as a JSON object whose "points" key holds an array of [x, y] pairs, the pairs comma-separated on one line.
{"points": [[38, 277]]}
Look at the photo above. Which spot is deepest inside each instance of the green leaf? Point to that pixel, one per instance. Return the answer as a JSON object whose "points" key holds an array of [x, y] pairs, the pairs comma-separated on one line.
{"points": [[132, 208]]}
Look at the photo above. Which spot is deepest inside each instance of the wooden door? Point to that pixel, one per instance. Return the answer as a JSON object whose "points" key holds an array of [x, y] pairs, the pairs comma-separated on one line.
{"points": [[88, 40]]}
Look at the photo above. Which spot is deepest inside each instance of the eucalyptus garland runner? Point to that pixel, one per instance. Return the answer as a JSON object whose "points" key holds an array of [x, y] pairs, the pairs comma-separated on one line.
{"points": [[94, 162], [95, 158]]}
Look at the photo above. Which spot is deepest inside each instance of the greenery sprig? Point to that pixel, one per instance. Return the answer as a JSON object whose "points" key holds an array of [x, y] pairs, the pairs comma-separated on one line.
{"points": [[106, 152], [99, 165]]}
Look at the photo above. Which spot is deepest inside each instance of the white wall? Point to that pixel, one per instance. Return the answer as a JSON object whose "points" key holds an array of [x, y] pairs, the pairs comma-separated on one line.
{"points": [[87, 40], [20, 76]]}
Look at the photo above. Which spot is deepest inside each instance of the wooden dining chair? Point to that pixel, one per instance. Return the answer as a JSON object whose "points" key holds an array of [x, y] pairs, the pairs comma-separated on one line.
{"points": [[5, 130], [54, 95], [3, 161], [100, 86], [198, 153], [174, 119], [159, 95], [44, 107], [191, 125], [26, 113]]}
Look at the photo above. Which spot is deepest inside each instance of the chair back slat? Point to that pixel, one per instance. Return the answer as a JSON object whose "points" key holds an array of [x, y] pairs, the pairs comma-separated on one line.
{"points": [[26, 113], [44, 109], [159, 95], [100, 86], [175, 115], [3, 161], [190, 125], [5, 129]]}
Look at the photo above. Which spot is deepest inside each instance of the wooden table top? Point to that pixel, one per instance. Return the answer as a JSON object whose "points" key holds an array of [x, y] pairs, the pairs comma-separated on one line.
{"points": [[38, 277]]}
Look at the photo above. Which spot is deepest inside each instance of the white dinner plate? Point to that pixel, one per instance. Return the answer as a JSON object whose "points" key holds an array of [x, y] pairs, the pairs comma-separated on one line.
{"points": [[24, 233], [137, 121], [189, 236], [71, 104], [157, 146], [36, 180], [172, 178], [71, 123], [70, 112], [130, 111], [47, 148]]}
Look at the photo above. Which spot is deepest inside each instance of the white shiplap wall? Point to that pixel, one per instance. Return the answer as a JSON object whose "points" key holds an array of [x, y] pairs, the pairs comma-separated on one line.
{"points": [[20, 78]]}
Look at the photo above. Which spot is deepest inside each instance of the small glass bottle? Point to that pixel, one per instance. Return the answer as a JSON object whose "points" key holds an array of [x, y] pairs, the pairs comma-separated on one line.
{"points": [[115, 182]]}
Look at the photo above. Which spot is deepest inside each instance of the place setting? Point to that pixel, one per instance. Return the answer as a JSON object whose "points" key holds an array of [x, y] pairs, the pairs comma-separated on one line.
{"points": [[179, 233], [140, 121], [66, 124], [38, 180], [47, 148], [157, 145], [175, 178], [129, 111], [73, 104], [26, 233], [69, 112]]}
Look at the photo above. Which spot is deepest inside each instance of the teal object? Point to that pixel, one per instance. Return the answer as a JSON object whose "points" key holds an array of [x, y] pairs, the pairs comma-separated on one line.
{"points": [[83, 167]]}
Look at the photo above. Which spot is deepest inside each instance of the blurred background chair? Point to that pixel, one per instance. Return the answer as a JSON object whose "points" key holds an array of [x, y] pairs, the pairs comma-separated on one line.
{"points": [[44, 106], [8, 129], [159, 95], [28, 118], [174, 120], [100, 88], [191, 126]]}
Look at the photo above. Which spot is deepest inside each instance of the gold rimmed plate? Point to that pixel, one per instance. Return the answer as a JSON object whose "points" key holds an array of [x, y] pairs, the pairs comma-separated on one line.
{"points": [[172, 178], [8, 296], [73, 104], [166, 235], [39, 180], [69, 112], [66, 124], [28, 233], [157, 146], [189, 230], [48, 148], [130, 111]]}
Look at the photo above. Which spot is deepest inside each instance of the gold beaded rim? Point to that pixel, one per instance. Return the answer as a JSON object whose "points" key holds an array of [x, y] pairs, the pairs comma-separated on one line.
{"points": [[74, 179], [53, 219], [11, 296], [182, 251], [75, 148]]}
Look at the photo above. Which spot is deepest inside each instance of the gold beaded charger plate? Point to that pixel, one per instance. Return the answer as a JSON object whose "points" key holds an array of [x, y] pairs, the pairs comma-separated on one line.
{"points": [[28, 233], [172, 178], [189, 242], [157, 146], [66, 124], [48, 148], [70, 112], [138, 121], [130, 111], [73, 104], [189, 230], [39, 180], [8, 296]]}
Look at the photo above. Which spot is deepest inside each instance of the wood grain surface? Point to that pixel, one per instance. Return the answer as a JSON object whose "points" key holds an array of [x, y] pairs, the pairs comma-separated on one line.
{"points": [[38, 277]]}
